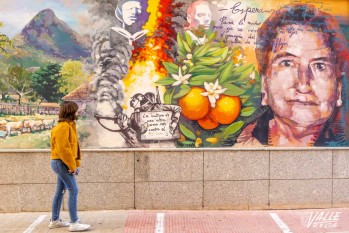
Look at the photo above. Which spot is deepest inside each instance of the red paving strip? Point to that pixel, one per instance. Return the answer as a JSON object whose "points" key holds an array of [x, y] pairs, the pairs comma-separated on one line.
{"points": [[140, 221], [298, 221], [218, 222], [201, 222]]}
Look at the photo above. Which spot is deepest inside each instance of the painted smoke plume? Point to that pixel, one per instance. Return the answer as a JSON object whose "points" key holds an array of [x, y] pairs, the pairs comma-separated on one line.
{"points": [[111, 60]]}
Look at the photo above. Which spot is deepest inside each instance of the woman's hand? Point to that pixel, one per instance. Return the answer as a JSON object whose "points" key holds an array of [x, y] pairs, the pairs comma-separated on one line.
{"points": [[74, 172]]}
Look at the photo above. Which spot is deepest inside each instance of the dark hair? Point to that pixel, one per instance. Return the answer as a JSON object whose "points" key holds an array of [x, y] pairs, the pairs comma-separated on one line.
{"points": [[67, 111], [300, 14]]}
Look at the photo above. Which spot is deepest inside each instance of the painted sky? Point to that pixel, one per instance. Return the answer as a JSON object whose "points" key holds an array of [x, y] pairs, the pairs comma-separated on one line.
{"points": [[17, 13]]}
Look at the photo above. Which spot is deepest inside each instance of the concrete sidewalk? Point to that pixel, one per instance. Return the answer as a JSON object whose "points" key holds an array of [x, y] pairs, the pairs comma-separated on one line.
{"points": [[187, 221]]}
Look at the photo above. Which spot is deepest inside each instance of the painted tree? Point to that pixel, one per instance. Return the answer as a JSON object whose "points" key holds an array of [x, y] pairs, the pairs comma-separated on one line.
{"points": [[17, 79], [72, 76], [45, 82], [4, 42], [4, 88]]}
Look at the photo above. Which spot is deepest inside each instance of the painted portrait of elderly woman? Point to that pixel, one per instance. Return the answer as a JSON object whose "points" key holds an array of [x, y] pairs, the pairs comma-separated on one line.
{"points": [[303, 60]]}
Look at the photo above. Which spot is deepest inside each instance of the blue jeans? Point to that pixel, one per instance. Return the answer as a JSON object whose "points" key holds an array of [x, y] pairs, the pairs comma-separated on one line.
{"points": [[65, 180]]}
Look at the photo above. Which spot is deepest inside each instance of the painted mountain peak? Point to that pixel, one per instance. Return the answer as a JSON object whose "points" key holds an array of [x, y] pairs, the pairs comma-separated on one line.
{"points": [[54, 37]]}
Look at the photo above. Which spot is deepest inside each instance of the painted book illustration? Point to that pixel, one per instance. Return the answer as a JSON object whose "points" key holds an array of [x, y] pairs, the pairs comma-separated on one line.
{"points": [[127, 34]]}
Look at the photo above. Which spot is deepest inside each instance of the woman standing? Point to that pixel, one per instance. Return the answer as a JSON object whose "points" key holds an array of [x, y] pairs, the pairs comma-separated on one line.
{"points": [[65, 160]]}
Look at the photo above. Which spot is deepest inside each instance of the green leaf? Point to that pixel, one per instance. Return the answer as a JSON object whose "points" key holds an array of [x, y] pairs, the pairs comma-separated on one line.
{"points": [[241, 72], [186, 46], [183, 44], [222, 67], [181, 49], [211, 34], [219, 44], [257, 75], [218, 135], [233, 128], [171, 67], [239, 69], [247, 111], [226, 72], [166, 81], [216, 52], [207, 61], [224, 53], [219, 65], [232, 90], [213, 51], [186, 132], [168, 96], [189, 40], [200, 79], [182, 54], [202, 50], [200, 69], [181, 90], [187, 143]]}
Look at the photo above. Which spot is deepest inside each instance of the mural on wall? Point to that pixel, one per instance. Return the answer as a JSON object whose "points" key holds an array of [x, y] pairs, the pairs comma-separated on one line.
{"points": [[176, 73]]}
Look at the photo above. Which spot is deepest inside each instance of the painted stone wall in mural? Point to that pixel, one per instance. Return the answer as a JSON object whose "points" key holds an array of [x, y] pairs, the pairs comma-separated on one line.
{"points": [[176, 73]]}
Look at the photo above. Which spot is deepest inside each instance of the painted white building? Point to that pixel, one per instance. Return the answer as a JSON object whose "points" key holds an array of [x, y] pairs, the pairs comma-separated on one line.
{"points": [[84, 97]]}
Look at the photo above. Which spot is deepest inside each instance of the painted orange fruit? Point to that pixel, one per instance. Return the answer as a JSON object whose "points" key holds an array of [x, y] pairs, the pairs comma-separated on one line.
{"points": [[227, 109], [194, 105], [208, 122]]}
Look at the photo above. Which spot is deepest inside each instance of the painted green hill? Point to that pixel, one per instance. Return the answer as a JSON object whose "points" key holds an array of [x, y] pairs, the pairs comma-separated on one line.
{"points": [[46, 39]]}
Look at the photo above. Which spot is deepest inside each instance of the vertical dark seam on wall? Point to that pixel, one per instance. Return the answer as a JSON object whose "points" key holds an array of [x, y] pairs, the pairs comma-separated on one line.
{"points": [[19, 197], [203, 179], [332, 180], [134, 180], [269, 180]]}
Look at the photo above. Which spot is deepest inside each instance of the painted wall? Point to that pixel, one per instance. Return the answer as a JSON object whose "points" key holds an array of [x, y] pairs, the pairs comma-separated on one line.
{"points": [[166, 74]]}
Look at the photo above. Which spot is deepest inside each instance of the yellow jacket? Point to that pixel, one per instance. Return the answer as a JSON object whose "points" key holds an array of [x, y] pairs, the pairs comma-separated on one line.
{"points": [[65, 145]]}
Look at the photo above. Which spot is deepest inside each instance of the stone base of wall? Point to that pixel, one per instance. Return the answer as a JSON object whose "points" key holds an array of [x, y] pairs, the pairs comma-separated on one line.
{"points": [[194, 179]]}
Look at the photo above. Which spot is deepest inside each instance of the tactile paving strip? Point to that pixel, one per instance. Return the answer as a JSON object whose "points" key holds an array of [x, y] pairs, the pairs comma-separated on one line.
{"points": [[296, 221]]}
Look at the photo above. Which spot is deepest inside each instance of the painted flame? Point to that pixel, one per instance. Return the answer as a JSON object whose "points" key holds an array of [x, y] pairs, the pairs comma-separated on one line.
{"points": [[146, 64]]}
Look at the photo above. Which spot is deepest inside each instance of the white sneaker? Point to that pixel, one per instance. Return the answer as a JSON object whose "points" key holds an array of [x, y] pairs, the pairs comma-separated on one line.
{"points": [[79, 227], [58, 223]]}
